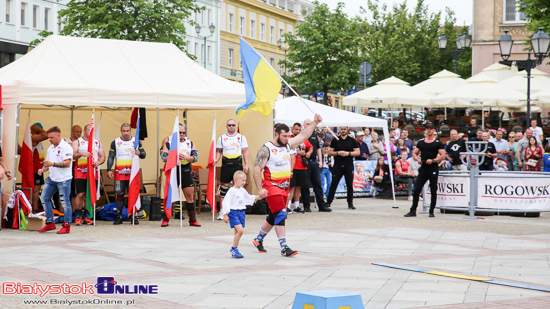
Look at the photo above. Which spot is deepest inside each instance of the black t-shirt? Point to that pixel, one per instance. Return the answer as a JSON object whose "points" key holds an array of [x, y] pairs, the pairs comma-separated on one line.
{"points": [[429, 150], [347, 144], [314, 141], [472, 131], [490, 149], [454, 148]]}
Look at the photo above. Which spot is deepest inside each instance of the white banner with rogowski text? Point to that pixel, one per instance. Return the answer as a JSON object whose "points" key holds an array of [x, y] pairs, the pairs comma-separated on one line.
{"points": [[451, 192], [524, 193]]}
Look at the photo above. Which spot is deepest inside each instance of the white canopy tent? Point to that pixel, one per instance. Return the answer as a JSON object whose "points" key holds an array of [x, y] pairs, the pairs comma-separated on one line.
{"points": [[294, 109], [79, 72]]}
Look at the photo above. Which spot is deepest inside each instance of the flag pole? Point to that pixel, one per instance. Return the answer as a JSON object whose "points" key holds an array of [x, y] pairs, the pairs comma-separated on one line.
{"points": [[292, 89], [98, 168], [179, 180], [214, 167], [92, 171]]}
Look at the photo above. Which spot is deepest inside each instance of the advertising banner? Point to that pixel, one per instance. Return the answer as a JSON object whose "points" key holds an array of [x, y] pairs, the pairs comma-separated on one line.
{"points": [[451, 192], [362, 172], [526, 193]]}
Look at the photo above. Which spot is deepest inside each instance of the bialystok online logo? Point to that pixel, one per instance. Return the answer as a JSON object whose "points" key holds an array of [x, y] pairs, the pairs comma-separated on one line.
{"points": [[104, 285]]}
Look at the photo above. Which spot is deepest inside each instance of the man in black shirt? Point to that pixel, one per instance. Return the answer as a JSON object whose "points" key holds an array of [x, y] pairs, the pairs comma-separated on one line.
{"points": [[314, 166], [490, 154], [433, 152], [454, 147], [472, 129], [343, 150]]}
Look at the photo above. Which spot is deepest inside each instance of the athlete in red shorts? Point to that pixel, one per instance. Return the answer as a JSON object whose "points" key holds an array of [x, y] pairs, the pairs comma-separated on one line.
{"points": [[273, 160]]}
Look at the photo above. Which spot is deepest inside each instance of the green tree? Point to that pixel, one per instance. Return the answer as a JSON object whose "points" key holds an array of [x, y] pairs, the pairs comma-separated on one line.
{"points": [[401, 43], [324, 51], [538, 15], [134, 20]]}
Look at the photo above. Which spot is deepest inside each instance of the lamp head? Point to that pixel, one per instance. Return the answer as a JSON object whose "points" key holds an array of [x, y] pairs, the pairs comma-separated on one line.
{"points": [[212, 28], [505, 43], [198, 28], [442, 42], [540, 42]]}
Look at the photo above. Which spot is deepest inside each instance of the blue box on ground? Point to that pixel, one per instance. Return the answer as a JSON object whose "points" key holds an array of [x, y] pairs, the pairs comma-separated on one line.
{"points": [[327, 299]]}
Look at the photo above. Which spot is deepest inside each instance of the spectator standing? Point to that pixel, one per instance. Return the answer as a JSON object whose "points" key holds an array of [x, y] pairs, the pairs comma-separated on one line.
{"points": [[502, 147], [38, 135], [408, 142], [376, 148], [367, 138], [343, 150], [472, 128], [533, 154], [396, 127], [363, 147], [546, 158], [537, 131], [299, 172], [522, 145], [453, 149], [490, 154], [314, 173], [515, 164], [326, 171], [511, 157]]}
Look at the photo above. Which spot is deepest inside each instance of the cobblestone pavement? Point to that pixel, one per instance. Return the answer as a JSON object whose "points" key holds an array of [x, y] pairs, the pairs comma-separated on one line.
{"points": [[193, 268]]}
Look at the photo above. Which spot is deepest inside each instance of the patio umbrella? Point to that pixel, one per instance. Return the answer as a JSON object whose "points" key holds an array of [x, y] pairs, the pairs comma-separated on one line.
{"points": [[496, 71], [539, 82], [389, 93], [439, 83]]}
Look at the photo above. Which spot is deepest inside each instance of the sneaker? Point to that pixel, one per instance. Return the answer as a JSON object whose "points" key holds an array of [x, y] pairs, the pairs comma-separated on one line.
{"points": [[235, 253], [288, 252], [220, 216], [118, 220], [410, 214], [66, 229], [298, 210], [288, 211], [78, 221], [259, 245], [87, 221], [164, 223], [47, 227]]}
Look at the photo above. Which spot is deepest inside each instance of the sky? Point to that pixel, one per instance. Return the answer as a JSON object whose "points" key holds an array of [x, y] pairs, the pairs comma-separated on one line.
{"points": [[463, 8]]}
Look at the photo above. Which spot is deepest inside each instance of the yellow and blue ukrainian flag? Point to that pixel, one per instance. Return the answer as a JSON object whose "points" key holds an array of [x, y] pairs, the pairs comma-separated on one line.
{"points": [[261, 82]]}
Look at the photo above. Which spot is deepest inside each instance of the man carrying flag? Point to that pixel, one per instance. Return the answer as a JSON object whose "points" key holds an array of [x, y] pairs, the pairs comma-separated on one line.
{"points": [[82, 155], [187, 155], [122, 150]]}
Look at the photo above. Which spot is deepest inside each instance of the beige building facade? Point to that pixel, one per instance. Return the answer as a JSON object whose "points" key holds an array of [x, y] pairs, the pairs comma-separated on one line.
{"points": [[491, 18], [261, 23]]}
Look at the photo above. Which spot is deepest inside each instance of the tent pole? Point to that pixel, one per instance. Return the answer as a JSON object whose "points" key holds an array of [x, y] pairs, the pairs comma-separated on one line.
{"points": [[17, 112], [388, 153], [482, 118], [158, 147], [72, 116], [179, 169]]}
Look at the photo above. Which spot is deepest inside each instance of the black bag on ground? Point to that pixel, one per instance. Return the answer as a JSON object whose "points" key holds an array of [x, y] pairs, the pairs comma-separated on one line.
{"points": [[155, 213], [260, 207]]}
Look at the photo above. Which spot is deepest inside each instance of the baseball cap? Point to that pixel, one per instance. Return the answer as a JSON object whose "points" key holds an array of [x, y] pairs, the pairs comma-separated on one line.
{"points": [[360, 133], [429, 126]]}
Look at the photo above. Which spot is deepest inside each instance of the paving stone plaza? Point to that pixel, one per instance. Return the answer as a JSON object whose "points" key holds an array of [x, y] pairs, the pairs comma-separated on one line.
{"points": [[192, 267]]}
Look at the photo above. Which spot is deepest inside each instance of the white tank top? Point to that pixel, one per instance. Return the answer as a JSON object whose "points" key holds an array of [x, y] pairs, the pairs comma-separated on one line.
{"points": [[277, 169]]}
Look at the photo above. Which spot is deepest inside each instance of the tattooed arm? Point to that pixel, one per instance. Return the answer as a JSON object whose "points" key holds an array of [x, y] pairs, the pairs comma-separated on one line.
{"points": [[259, 165]]}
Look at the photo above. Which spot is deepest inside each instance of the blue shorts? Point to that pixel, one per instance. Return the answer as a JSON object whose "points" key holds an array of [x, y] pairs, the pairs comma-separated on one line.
{"points": [[236, 217]]}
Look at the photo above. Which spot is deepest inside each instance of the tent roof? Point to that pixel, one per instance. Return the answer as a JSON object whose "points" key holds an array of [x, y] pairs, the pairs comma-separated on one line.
{"points": [[100, 72], [291, 110]]}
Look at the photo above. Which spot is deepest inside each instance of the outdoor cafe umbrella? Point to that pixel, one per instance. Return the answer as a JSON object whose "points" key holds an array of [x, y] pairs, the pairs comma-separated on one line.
{"points": [[439, 83], [539, 82], [389, 93], [497, 71]]}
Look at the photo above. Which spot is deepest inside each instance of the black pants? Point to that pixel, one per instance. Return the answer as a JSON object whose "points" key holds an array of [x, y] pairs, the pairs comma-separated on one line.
{"points": [[314, 176], [406, 180], [339, 170], [426, 173]]}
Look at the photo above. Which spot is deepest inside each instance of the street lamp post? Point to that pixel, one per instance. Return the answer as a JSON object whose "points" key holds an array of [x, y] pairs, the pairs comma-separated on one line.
{"points": [[280, 44], [539, 45], [198, 31], [462, 43]]}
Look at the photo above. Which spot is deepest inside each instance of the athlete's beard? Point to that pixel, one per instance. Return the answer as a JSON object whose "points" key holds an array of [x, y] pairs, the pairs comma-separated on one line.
{"points": [[281, 142]]}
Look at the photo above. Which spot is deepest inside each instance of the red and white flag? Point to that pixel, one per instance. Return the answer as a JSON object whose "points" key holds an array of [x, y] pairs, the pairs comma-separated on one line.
{"points": [[26, 162], [134, 200], [211, 187]]}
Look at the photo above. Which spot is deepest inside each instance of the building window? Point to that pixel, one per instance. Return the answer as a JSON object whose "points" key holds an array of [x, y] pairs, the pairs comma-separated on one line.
{"points": [[231, 22], [35, 9], [202, 53], [281, 31], [23, 14], [230, 58], [241, 26], [47, 18], [252, 28], [196, 50], [210, 54], [187, 46], [271, 35], [281, 72], [262, 32], [209, 17], [240, 64], [511, 13], [9, 8], [272, 62]]}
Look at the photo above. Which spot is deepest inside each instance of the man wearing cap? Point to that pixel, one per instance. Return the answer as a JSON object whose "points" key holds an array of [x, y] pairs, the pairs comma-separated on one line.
{"points": [[363, 147], [433, 152]]}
